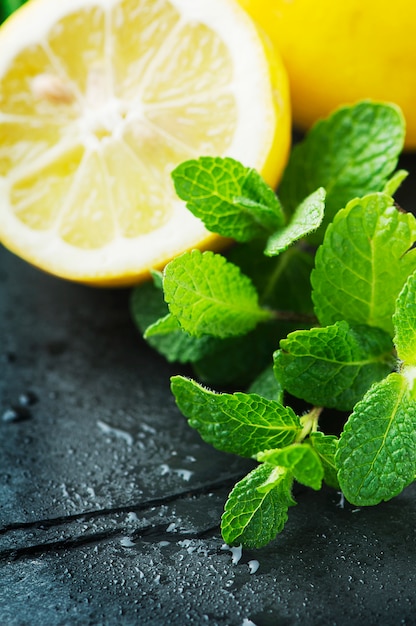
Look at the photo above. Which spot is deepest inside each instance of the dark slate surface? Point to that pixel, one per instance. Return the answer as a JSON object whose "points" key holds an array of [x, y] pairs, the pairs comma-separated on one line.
{"points": [[110, 503]]}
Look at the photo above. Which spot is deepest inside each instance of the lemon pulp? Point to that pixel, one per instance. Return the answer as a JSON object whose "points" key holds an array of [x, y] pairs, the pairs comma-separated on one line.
{"points": [[100, 106]]}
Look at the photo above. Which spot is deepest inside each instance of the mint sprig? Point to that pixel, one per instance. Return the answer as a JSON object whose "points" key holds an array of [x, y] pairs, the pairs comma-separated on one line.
{"points": [[332, 327]]}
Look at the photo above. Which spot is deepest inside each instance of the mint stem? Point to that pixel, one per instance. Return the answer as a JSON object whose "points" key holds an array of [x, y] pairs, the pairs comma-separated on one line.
{"points": [[309, 423]]}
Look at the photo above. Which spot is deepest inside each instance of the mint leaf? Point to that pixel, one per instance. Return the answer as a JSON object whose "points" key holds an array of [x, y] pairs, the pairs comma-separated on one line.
{"points": [[146, 305], [351, 153], [254, 516], [8, 6], [335, 365], [163, 326], [394, 182], [326, 446], [157, 277], [239, 423], [376, 455], [363, 263], [300, 459], [150, 314], [305, 220], [232, 200], [267, 385], [404, 321], [208, 295]]}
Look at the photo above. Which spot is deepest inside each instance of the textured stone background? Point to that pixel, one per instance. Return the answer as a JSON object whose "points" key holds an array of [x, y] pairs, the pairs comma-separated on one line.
{"points": [[110, 503]]}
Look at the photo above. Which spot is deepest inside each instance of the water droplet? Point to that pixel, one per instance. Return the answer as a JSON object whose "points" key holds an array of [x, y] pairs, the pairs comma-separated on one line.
{"points": [[28, 398], [16, 414], [254, 566], [126, 542]]}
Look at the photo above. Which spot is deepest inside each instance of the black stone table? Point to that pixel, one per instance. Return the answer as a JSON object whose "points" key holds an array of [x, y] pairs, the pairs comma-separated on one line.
{"points": [[110, 503]]}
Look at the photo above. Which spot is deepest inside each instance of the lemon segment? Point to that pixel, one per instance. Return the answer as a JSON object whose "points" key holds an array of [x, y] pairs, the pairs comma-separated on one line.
{"points": [[100, 100]]}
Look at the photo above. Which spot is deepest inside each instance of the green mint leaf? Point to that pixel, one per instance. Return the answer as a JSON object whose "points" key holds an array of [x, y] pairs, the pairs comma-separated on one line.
{"points": [[163, 326], [306, 219], [376, 455], [335, 365], [209, 295], [363, 263], [350, 154], [301, 460], [180, 347], [283, 282], [404, 321], [326, 446], [150, 314], [239, 423], [147, 305], [394, 182], [254, 516], [232, 200], [8, 6], [267, 385]]}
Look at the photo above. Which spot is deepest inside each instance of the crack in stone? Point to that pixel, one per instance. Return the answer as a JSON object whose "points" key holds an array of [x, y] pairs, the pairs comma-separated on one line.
{"points": [[156, 534], [148, 533], [142, 506]]}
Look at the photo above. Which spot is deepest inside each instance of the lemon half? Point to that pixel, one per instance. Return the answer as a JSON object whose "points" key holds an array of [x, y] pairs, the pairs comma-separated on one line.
{"points": [[100, 100]]}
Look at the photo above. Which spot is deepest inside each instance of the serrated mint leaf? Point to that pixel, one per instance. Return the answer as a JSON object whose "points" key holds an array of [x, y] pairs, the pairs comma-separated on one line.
{"points": [[376, 455], [232, 200], [333, 366], [350, 154], [253, 517], [394, 182], [306, 218], [404, 321], [239, 423], [209, 295], [150, 312], [363, 263], [300, 459], [267, 385], [326, 446]]}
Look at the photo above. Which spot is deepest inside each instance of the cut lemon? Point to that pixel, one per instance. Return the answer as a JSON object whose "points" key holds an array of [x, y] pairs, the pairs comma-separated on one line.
{"points": [[100, 100]]}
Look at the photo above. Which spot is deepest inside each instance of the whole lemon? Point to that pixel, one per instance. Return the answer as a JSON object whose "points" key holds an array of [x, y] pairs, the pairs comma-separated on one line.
{"points": [[338, 52]]}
